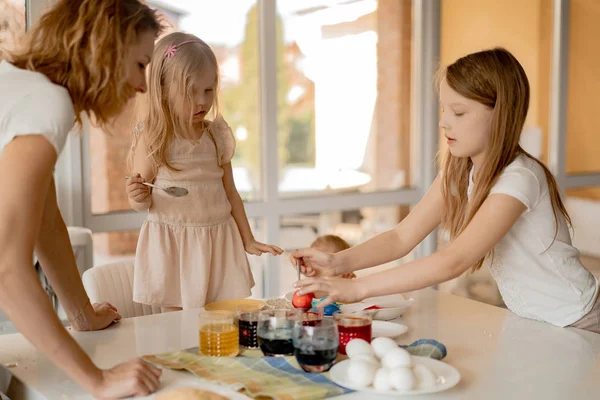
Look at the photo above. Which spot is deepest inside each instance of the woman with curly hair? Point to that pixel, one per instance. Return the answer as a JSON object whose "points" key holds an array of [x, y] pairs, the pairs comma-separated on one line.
{"points": [[83, 57]]}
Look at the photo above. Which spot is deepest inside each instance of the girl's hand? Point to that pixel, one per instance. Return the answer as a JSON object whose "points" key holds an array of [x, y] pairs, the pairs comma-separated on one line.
{"points": [[258, 248], [336, 289], [136, 191], [314, 262]]}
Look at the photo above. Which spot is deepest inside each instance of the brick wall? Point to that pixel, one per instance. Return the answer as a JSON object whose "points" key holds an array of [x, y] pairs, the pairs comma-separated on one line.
{"points": [[108, 160], [109, 168], [392, 122]]}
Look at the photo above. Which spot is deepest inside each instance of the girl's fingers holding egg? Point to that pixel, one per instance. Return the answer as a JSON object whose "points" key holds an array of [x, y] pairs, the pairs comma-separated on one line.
{"points": [[305, 282], [311, 285], [324, 303]]}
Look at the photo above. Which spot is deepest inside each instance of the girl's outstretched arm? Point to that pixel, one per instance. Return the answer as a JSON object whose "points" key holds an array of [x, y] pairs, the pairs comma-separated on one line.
{"points": [[239, 215], [494, 219], [385, 247]]}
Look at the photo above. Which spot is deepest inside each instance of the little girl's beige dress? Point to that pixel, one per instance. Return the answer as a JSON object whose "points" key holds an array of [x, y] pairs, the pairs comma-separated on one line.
{"points": [[190, 251]]}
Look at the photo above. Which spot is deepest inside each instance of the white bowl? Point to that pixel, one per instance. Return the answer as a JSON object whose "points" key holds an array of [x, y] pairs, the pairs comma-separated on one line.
{"points": [[393, 306]]}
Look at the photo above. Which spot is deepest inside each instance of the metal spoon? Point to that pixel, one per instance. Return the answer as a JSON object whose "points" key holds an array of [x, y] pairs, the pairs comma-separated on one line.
{"points": [[174, 191]]}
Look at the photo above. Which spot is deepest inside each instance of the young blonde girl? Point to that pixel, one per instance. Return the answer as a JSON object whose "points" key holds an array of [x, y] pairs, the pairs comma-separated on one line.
{"points": [[500, 205], [191, 249]]}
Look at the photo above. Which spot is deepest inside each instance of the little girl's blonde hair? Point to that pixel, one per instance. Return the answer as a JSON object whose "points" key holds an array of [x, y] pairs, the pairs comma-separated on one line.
{"points": [[167, 109]]}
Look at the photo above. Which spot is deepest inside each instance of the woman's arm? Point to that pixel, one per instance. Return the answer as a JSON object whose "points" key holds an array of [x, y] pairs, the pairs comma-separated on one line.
{"points": [[139, 195], [385, 247], [26, 173], [494, 219], [53, 249], [239, 215], [21, 295]]}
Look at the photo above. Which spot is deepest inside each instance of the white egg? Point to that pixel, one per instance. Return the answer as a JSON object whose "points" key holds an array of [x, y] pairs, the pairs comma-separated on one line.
{"points": [[358, 346], [361, 373], [382, 380], [397, 357], [403, 379], [382, 345], [425, 377], [367, 357]]}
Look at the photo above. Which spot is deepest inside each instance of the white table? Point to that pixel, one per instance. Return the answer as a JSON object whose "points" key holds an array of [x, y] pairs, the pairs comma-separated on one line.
{"points": [[498, 354]]}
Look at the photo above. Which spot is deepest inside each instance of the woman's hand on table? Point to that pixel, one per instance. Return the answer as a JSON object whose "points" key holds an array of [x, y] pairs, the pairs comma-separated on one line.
{"points": [[133, 378], [336, 289], [99, 317]]}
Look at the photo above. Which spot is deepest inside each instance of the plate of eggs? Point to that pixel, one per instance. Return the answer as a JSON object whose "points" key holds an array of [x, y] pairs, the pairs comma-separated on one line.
{"points": [[384, 368]]}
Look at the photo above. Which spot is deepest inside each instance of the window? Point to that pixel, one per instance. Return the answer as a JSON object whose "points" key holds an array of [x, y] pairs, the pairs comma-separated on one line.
{"points": [[237, 53], [346, 141], [343, 96]]}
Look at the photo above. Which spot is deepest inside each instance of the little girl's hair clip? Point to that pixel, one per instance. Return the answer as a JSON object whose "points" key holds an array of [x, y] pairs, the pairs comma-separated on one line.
{"points": [[170, 52]]}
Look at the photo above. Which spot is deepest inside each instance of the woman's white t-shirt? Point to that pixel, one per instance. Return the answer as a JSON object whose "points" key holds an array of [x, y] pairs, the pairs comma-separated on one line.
{"points": [[30, 104], [538, 277]]}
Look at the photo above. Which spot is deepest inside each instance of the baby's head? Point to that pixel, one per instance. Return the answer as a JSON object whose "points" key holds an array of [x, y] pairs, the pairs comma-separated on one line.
{"points": [[330, 244], [183, 82]]}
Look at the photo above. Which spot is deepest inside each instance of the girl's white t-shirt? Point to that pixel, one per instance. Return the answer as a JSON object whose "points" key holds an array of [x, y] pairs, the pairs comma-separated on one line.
{"points": [[30, 104], [539, 277]]}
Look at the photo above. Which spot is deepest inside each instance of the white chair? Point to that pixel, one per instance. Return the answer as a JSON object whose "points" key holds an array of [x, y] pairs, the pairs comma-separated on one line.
{"points": [[80, 237], [82, 241], [114, 283]]}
